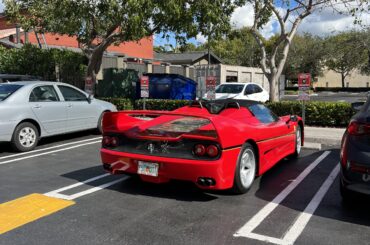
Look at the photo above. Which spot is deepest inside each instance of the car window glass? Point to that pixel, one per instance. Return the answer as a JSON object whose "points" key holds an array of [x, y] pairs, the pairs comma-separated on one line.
{"points": [[249, 89], [263, 114], [44, 94], [230, 88], [257, 89], [71, 94], [7, 89]]}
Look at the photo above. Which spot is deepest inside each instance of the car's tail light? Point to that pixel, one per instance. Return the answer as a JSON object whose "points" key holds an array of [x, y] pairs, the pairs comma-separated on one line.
{"points": [[110, 141], [212, 151], [358, 128], [199, 150], [356, 167]]}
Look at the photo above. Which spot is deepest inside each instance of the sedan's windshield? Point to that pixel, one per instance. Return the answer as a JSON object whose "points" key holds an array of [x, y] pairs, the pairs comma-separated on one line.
{"points": [[8, 89], [230, 88]]}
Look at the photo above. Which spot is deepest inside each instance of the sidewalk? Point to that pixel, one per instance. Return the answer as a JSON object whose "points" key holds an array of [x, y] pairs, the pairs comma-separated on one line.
{"points": [[316, 136]]}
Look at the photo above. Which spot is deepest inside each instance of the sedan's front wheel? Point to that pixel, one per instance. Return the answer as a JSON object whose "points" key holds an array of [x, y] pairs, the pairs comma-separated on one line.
{"points": [[245, 171], [25, 137]]}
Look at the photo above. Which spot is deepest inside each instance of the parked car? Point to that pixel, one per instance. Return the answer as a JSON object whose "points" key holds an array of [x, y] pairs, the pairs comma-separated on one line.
{"points": [[355, 154], [241, 91], [34, 109], [216, 144], [4, 78]]}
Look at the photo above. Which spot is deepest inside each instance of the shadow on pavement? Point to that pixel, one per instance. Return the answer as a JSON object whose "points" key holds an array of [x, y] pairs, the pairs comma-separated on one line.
{"points": [[178, 190]]}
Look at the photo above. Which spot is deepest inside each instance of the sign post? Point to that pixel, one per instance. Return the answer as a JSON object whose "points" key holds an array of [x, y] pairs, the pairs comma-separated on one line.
{"points": [[211, 87], [89, 85], [144, 88], [304, 84]]}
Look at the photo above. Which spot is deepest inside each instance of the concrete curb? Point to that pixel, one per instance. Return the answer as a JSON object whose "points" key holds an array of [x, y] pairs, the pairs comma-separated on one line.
{"points": [[312, 146]]}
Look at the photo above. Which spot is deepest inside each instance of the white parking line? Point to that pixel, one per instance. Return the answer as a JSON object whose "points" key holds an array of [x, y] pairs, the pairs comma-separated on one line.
{"points": [[246, 230], [297, 228], [48, 148], [49, 152], [56, 193]]}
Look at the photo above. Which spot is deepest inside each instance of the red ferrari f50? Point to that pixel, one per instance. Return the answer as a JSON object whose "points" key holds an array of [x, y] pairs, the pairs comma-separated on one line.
{"points": [[219, 144]]}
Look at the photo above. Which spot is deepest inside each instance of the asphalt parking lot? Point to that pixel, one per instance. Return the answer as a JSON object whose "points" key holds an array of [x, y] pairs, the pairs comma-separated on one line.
{"points": [[59, 194]]}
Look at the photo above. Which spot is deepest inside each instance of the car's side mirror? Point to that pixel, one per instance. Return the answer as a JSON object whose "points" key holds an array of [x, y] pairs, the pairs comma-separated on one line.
{"points": [[89, 98], [292, 118], [356, 106]]}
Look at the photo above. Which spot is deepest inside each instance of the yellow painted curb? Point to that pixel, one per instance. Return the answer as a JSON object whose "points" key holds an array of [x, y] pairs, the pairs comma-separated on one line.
{"points": [[29, 208]]}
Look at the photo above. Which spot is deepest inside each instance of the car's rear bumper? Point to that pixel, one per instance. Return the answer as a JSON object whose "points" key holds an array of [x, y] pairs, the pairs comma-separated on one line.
{"points": [[221, 170], [355, 165], [6, 130]]}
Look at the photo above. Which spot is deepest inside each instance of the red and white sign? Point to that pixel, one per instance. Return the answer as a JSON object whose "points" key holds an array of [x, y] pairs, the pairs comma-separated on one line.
{"points": [[89, 88], [144, 86], [211, 87], [304, 80]]}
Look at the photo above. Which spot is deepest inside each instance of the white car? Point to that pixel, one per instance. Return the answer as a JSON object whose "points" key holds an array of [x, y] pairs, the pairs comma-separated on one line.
{"points": [[241, 91], [34, 109]]}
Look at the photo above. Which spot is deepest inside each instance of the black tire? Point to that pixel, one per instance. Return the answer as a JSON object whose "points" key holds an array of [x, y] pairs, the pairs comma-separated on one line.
{"points": [[297, 150], [239, 187], [99, 128], [25, 137]]}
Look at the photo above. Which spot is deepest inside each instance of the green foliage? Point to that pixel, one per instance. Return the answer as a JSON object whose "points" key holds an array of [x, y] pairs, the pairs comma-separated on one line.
{"points": [[326, 114], [120, 103], [306, 56], [31, 60], [99, 24], [161, 105], [345, 53]]}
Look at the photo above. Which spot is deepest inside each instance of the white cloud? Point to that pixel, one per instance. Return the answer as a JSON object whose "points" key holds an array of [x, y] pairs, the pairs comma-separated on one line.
{"points": [[1, 6], [201, 39], [324, 22]]}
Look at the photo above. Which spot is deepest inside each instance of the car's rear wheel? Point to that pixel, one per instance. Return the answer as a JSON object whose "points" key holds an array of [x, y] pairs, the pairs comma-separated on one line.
{"points": [[245, 171], [25, 137]]}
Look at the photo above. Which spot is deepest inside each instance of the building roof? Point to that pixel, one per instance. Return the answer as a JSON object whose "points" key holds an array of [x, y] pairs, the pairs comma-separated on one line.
{"points": [[185, 58]]}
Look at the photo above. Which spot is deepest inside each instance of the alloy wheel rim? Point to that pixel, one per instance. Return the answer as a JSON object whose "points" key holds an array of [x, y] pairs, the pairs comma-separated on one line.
{"points": [[299, 141], [27, 137], [247, 168]]}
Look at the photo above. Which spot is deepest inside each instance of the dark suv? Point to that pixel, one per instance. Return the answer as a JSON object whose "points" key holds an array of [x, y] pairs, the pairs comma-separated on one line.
{"points": [[355, 154]]}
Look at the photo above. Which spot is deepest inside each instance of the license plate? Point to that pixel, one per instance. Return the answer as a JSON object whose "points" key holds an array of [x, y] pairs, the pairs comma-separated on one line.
{"points": [[147, 168]]}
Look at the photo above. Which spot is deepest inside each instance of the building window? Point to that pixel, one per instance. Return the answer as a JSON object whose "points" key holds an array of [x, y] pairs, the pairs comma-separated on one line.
{"points": [[367, 84], [347, 84], [327, 84], [231, 79]]}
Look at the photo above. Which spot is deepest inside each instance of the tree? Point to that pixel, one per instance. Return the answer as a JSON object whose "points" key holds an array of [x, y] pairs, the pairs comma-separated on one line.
{"points": [[345, 54], [237, 48], [306, 55], [289, 15], [101, 23]]}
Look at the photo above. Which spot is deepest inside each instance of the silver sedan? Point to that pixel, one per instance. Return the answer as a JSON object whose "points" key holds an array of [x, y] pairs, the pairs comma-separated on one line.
{"points": [[31, 110]]}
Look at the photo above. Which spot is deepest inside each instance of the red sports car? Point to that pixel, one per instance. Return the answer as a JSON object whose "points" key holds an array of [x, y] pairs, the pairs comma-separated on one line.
{"points": [[219, 144]]}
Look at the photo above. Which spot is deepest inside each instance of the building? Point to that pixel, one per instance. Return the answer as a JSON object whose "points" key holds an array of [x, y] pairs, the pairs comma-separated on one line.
{"points": [[188, 58], [332, 79]]}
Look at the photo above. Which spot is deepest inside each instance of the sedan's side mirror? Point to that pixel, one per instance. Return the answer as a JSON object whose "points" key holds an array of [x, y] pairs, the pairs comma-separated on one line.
{"points": [[356, 106], [89, 98]]}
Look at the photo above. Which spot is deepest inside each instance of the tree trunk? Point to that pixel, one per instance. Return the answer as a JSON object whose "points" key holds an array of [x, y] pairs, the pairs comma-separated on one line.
{"points": [[273, 81], [343, 78]]}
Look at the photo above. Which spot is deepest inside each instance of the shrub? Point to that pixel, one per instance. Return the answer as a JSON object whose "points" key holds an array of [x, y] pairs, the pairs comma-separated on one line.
{"points": [[120, 103], [161, 105], [328, 114]]}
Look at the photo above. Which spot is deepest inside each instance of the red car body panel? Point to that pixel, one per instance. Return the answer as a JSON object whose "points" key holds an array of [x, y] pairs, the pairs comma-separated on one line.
{"points": [[234, 127]]}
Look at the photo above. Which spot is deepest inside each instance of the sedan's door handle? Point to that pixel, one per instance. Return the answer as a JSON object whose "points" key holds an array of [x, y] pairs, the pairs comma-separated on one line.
{"points": [[69, 105], [37, 106]]}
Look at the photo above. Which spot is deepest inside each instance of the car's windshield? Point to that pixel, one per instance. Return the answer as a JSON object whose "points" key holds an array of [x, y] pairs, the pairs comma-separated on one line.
{"points": [[8, 89], [230, 88]]}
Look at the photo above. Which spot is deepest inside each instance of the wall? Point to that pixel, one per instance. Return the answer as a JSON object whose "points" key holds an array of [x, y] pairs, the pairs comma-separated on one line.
{"points": [[332, 79]]}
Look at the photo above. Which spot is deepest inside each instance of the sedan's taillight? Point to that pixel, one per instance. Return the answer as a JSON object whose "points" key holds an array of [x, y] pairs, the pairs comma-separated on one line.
{"points": [[358, 128]]}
